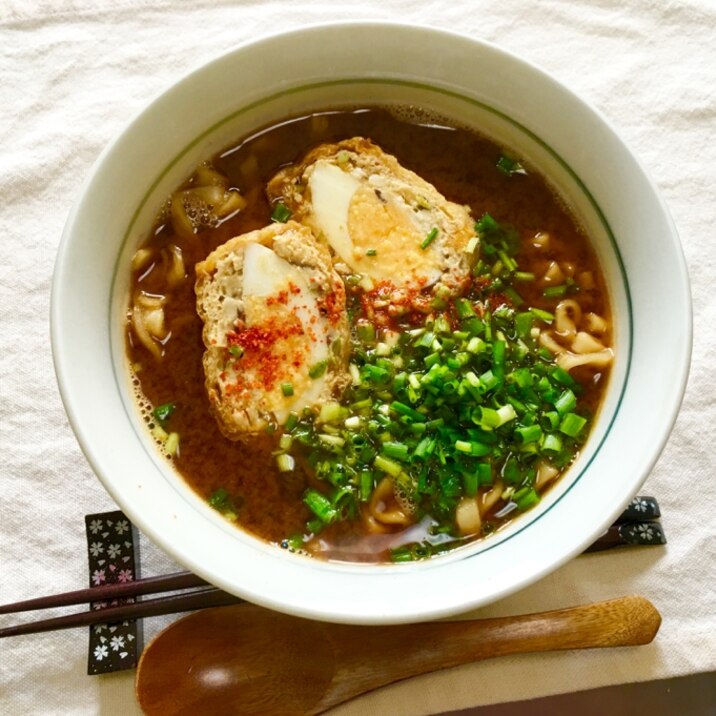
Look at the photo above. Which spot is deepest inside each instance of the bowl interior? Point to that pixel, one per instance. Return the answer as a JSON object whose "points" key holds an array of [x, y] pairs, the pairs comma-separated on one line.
{"points": [[502, 97]]}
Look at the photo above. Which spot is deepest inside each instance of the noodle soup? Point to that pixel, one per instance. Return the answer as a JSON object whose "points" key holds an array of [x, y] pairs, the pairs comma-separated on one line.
{"points": [[455, 405]]}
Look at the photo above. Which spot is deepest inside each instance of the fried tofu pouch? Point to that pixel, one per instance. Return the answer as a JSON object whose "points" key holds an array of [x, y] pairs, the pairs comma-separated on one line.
{"points": [[275, 327], [380, 219]]}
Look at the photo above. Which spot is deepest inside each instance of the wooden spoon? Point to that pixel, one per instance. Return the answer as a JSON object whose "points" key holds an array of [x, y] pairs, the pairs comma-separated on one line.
{"points": [[248, 660]]}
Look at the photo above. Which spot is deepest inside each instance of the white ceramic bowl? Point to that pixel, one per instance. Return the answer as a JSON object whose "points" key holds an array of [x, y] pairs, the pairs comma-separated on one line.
{"points": [[477, 84]]}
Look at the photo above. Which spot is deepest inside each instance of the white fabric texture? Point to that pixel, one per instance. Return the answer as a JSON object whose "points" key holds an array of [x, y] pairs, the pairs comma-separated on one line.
{"points": [[73, 73]]}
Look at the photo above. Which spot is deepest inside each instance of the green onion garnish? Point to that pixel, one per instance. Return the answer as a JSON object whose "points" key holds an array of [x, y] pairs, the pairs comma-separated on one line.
{"points": [[281, 213], [287, 389], [555, 291], [366, 332], [318, 369], [459, 399], [528, 434], [572, 424], [545, 316], [320, 506], [526, 497], [172, 444], [509, 166], [366, 485], [552, 444], [285, 463], [162, 412], [332, 412], [432, 235], [387, 465], [371, 252], [396, 450], [222, 502], [566, 402]]}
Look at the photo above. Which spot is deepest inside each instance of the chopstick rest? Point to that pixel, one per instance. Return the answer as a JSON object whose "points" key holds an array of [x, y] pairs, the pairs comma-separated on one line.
{"points": [[641, 509], [112, 559]]}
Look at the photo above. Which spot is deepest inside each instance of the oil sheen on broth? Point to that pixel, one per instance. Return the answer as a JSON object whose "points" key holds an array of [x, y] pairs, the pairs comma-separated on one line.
{"points": [[462, 407]]}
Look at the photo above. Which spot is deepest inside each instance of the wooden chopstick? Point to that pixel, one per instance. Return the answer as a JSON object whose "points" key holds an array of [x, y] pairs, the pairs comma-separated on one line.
{"points": [[174, 604], [108, 592], [626, 531]]}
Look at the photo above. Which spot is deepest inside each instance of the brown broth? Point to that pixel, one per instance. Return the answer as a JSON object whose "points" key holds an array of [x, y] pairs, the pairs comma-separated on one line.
{"points": [[461, 165]]}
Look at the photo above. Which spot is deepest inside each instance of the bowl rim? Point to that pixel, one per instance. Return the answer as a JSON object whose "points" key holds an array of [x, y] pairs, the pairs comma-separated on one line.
{"points": [[449, 607]]}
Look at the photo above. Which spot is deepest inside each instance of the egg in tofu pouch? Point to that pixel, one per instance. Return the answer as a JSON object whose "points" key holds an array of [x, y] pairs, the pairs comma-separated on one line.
{"points": [[381, 220], [275, 327]]}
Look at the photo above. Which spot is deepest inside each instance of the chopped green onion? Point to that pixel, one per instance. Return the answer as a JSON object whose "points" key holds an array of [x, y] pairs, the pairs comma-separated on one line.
{"points": [[572, 425], [566, 402], [562, 376], [545, 316], [371, 252], [366, 485], [510, 263], [489, 418], [555, 291], [396, 450], [470, 483], [376, 373], [509, 166], [499, 349], [281, 213], [514, 297], [387, 465], [528, 434], [172, 444], [318, 369], [159, 433], [552, 443], [484, 473], [523, 324], [366, 332], [222, 502], [506, 413], [486, 224], [550, 420], [285, 463], [406, 410], [320, 506], [287, 389], [291, 422], [162, 412], [401, 554], [331, 412], [464, 308], [293, 543], [463, 446], [432, 235], [526, 497], [331, 440]]}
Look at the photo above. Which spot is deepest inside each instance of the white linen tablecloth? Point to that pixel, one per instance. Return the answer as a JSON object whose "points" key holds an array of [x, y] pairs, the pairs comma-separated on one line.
{"points": [[73, 73]]}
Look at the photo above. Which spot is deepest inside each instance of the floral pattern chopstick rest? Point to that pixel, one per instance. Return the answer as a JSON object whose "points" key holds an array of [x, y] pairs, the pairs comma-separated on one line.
{"points": [[112, 559]]}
